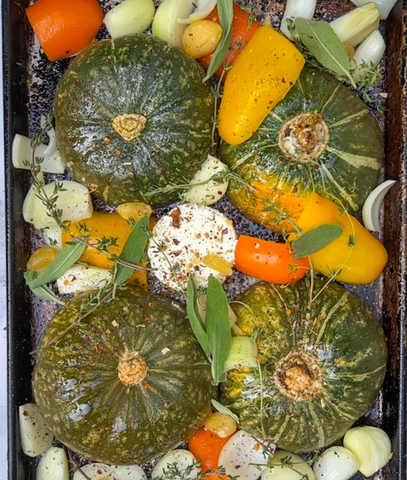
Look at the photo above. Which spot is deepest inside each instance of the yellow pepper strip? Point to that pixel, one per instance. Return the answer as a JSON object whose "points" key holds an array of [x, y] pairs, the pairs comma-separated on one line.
{"points": [[105, 225], [261, 76], [361, 263]]}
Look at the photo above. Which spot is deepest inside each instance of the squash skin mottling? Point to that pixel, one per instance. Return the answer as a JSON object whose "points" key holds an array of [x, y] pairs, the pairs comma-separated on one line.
{"points": [[277, 178], [77, 388], [133, 74], [339, 332]]}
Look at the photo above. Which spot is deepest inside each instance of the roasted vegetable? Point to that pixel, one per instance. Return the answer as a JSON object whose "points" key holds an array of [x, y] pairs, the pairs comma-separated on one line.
{"points": [[132, 115], [65, 28], [320, 138], [243, 28], [127, 385], [269, 261], [355, 257], [321, 364], [262, 75]]}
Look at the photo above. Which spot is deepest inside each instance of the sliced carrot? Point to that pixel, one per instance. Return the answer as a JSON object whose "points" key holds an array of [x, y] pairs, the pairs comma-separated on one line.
{"points": [[65, 27]]}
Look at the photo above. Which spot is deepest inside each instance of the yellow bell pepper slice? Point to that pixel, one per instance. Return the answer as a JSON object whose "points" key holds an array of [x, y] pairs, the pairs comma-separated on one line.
{"points": [[106, 225], [361, 263], [260, 77]]}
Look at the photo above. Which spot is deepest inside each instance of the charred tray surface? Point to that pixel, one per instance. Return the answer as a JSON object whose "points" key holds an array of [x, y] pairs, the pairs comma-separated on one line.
{"points": [[29, 86]]}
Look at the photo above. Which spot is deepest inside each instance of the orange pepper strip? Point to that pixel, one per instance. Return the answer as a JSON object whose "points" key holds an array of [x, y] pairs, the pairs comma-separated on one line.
{"points": [[65, 27], [269, 261], [261, 76]]}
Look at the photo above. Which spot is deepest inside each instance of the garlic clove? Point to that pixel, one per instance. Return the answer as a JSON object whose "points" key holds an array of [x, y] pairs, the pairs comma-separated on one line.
{"points": [[371, 446]]}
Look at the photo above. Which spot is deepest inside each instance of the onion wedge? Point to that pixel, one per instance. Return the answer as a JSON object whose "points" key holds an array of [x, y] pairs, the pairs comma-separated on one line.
{"points": [[371, 208], [53, 465], [22, 153], [100, 471], [36, 438], [202, 10], [244, 457]]}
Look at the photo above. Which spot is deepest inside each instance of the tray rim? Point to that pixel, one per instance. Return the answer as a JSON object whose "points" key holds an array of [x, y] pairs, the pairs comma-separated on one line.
{"points": [[14, 282]]}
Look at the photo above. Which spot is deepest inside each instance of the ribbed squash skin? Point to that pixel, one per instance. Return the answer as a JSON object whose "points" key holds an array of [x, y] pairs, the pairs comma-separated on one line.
{"points": [[118, 424], [339, 332], [273, 176], [138, 74]]}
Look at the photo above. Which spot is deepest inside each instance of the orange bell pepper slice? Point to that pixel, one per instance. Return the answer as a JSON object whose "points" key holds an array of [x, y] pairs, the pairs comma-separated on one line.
{"points": [[65, 27]]}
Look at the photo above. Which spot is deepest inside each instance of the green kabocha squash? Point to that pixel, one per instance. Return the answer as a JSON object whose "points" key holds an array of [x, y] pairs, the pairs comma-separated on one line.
{"points": [[133, 116], [320, 138], [320, 366], [125, 385]]}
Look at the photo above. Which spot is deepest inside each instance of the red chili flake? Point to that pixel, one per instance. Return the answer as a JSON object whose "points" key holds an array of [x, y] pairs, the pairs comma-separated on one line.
{"points": [[108, 331], [160, 169], [225, 231], [107, 139], [118, 152], [147, 319], [166, 404], [176, 218], [177, 253], [147, 385], [26, 414], [99, 472], [97, 349], [175, 241], [76, 81], [133, 176]]}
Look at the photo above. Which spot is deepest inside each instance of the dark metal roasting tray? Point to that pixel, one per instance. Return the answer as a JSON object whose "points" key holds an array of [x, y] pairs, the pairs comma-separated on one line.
{"points": [[29, 84]]}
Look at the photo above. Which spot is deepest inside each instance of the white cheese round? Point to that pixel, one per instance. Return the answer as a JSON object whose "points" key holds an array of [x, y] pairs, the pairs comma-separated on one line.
{"points": [[183, 238]]}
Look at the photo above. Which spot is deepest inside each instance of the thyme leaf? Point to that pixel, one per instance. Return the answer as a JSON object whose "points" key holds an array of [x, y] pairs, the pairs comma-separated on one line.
{"points": [[132, 251], [315, 240], [225, 10], [67, 257], [323, 43]]}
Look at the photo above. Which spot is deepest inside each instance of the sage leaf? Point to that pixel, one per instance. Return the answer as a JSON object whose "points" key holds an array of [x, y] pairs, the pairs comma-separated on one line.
{"points": [[67, 257], [46, 293], [132, 252], [323, 43], [315, 240], [222, 409], [225, 11], [218, 328], [195, 320]]}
